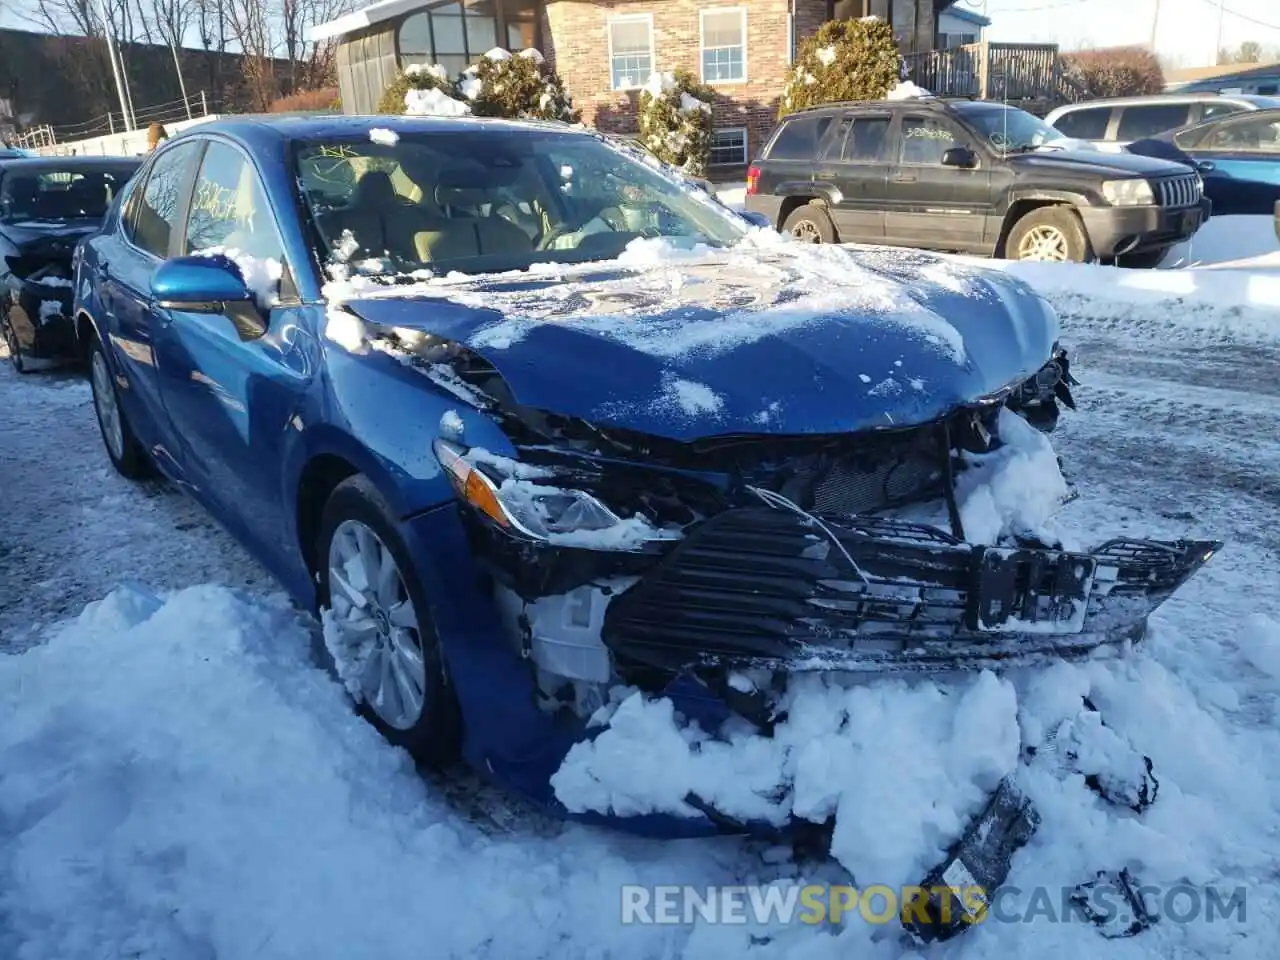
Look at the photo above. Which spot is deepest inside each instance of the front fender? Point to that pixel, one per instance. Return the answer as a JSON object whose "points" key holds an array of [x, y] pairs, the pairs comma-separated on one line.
{"points": [[382, 417]]}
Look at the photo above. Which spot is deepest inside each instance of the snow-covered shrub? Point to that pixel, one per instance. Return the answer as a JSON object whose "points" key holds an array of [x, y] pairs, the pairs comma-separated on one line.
{"points": [[1112, 72], [844, 60], [423, 91], [522, 87], [675, 120]]}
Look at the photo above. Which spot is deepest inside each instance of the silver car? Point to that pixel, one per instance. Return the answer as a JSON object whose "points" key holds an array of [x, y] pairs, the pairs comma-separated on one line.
{"points": [[1111, 124]]}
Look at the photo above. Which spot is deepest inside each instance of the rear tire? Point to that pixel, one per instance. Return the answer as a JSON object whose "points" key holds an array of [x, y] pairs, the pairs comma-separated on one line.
{"points": [[811, 224], [379, 613], [1051, 235], [126, 452]]}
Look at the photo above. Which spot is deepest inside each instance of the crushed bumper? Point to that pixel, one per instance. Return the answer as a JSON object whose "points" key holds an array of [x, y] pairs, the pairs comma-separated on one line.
{"points": [[758, 587]]}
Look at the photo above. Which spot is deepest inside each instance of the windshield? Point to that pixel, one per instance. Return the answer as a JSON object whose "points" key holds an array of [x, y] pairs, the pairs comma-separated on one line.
{"points": [[482, 200], [54, 195], [1008, 129]]}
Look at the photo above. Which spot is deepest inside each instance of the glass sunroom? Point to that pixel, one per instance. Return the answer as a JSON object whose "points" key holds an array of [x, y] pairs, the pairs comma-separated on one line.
{"points": [[377, 41]]}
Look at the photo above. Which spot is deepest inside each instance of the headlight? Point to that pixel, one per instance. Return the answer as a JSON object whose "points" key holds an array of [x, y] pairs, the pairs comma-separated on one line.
{"points": [[1128, 193], [516, 497]]}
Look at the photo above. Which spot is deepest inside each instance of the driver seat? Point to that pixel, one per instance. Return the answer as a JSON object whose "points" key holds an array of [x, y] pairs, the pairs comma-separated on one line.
{"points": [[381, 221]]}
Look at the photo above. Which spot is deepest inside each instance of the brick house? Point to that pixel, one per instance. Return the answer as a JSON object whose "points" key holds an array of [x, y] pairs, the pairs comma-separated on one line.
{"points": [[606, 49]]}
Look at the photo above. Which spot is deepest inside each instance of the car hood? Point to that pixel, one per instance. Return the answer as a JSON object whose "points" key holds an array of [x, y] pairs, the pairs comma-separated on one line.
{"points": [[33, 235], [1101, 162], [812, 341]]}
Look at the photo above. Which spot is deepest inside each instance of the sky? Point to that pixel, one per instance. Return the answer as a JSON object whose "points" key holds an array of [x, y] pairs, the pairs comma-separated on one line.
{"points": [[1187, 29]]}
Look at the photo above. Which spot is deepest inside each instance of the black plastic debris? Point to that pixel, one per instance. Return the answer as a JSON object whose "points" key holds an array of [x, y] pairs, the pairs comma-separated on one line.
{"points": [[956, 892], [1113, 903]]}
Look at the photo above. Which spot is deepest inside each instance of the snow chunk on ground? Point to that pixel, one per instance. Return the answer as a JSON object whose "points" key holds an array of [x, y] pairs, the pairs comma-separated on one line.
{"points": [[1261, 645], [840, 751], [434, 103], [383, 136], [1014, 490]]}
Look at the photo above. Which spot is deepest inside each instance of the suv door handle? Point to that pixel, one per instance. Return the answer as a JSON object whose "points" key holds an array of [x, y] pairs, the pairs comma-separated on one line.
{"points": [[905, 178]]}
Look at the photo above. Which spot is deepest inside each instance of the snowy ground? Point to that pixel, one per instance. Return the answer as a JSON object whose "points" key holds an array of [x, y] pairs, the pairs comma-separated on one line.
{"points": [[178, 781]]}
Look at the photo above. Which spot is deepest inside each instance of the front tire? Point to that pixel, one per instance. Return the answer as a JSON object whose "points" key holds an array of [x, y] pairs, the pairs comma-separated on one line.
{"points": [[378, 625], [126, 452], [1051, 235], [810, 224]]}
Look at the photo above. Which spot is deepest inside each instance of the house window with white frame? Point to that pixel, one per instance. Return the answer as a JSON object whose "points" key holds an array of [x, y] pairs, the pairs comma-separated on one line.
{"points": [[630, 51], [724, 45], [729, 147]]}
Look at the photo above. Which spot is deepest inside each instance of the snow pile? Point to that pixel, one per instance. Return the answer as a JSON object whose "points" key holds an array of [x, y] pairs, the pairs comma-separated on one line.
{"points": [[1014, 490], [433, 102], [906, 90], [901, 766]]}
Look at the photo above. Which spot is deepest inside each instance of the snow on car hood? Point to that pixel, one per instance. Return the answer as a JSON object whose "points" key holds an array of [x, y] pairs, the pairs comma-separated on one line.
{"points": [[801, 340]]}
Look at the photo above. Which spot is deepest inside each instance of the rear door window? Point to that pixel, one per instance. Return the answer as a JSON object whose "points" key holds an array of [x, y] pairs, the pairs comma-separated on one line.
{"points": [[798, 139], [867, 141], [1152, 118], [1211, 110], [1088, 124], [155, 215]]}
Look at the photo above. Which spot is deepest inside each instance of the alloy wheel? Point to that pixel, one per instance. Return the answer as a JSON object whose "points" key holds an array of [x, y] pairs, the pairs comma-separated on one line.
{"points": [[372, 608], [106, 406], [806, 231], [1044, 242]]}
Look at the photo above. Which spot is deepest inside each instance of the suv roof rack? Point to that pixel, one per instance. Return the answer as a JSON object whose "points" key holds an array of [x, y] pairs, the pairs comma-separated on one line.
{"points": [[837, 104]]}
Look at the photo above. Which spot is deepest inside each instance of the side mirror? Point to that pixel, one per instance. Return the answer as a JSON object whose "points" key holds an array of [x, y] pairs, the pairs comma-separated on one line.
{"points": [[961, 157], [208, 285], [756, 219]]}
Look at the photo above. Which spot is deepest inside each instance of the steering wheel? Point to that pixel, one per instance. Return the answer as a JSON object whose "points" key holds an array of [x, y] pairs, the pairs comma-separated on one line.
{"points": [[569, 226]]}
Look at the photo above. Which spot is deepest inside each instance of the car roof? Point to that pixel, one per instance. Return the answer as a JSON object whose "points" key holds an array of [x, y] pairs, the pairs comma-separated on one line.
{"points": [[909, 102], [1156, 98], [267, 130]]}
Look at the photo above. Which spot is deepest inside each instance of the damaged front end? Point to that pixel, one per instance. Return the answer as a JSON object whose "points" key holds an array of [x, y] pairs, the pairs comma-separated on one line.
{"points": [[723, 568], [39, 297], [631, 559]]}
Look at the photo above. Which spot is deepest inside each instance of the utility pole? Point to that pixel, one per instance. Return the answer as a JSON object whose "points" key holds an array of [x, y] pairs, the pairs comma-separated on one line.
{"points": [[1222, 16], [109, 32], [1155, 26]]}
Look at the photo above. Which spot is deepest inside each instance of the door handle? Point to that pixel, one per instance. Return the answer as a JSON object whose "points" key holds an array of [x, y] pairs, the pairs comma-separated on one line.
{"points": [[1205, 166], [904, 178]]}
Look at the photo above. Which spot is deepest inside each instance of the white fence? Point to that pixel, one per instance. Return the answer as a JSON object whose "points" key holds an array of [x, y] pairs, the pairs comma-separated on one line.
{"points": [[129, 144]]}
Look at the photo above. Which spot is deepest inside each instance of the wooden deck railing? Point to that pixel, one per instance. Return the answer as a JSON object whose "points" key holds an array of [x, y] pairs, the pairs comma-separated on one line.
{"points": [[990, 71]]}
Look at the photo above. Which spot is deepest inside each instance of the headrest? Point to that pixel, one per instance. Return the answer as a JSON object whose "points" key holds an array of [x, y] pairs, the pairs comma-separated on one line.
{"points": [[374, 189], [463, 196]]}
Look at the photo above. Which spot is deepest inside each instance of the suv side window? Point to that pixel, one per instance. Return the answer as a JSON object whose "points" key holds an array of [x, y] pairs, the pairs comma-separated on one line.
{"points": [[868, 140], [798, 139], [230, 214], [154, 215], [1088, 124], [1150, 119], [925, 140]]}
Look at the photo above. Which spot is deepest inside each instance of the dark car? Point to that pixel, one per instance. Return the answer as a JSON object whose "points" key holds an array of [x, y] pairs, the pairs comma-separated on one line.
{"points": [[968, 176], [527, 421], [46, 206], [1238, 157]]}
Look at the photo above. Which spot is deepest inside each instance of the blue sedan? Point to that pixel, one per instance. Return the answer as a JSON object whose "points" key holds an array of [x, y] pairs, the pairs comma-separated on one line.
{"points": [[524, 420], [1237, 155]]}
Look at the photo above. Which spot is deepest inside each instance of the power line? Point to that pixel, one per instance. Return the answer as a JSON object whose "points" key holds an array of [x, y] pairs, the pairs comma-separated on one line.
{"points": [[1222, 9]]}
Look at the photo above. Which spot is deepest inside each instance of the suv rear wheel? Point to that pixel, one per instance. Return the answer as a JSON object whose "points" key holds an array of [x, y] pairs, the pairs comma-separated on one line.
{"points": [[1053, 234], [811, 224]]}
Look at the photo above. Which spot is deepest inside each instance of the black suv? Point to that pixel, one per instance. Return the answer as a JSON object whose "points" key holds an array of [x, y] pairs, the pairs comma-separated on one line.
{"points": [[968, 176]]}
